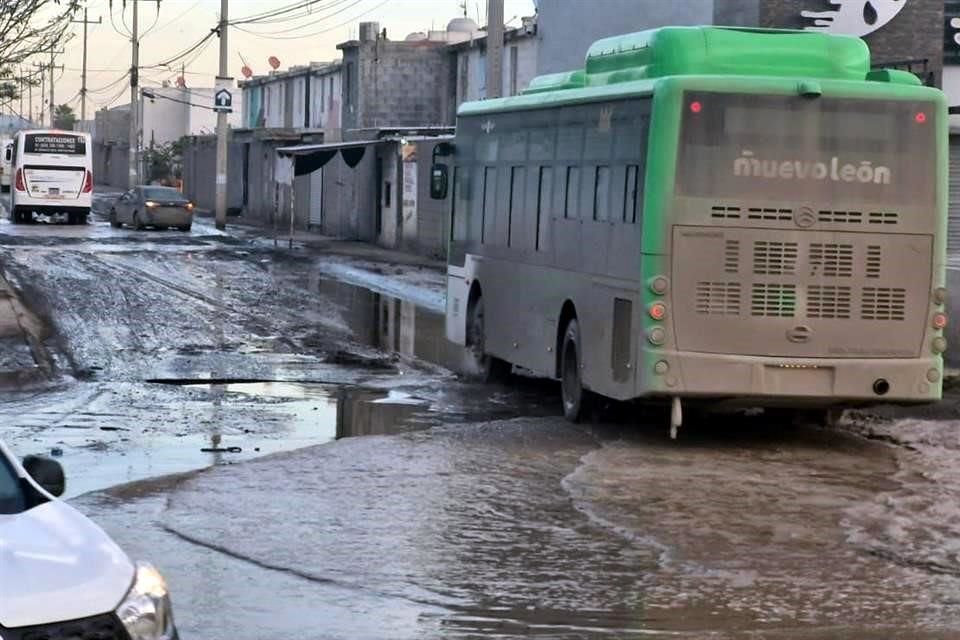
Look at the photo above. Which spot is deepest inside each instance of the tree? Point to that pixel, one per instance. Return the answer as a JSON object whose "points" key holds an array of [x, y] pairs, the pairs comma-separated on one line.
{"points": [[64, 117], [164, 161], [31, 27]]}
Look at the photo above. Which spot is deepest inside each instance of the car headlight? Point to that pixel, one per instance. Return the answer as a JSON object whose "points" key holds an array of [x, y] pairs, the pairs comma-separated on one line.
{"points": [[146, 611]]}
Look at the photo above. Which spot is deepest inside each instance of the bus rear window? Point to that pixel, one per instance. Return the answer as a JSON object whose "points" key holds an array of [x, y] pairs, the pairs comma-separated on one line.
{"points": [[795, 149], [54, 143]]}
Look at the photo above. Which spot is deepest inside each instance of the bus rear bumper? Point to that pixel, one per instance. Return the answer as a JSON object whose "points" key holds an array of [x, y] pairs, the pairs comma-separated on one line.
{"points": [[784, 381]]}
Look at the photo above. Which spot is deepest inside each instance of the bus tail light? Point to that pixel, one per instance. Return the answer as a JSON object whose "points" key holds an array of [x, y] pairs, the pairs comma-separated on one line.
{"points": [[939, 320], [87, 182], [21, 185], [657, 310], [940, 295]]}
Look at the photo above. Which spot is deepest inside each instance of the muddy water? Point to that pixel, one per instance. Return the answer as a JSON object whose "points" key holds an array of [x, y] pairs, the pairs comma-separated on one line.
{"points": [[477, 527], [529, 527]]}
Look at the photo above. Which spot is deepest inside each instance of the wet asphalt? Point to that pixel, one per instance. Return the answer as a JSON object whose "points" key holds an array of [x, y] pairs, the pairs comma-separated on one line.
{"points": [[298, 456]]}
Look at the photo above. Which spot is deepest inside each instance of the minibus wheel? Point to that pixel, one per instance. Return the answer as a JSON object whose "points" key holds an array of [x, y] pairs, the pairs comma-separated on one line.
{"points": [[486, 367], [576, 399]]}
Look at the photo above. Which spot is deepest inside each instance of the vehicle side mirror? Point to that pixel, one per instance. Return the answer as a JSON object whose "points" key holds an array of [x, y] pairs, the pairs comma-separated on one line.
{"points": [[47, 473], [438, 181]]}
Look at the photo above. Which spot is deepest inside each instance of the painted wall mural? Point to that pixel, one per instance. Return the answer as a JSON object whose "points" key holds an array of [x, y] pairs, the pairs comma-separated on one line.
{"points": [[854, 17]]}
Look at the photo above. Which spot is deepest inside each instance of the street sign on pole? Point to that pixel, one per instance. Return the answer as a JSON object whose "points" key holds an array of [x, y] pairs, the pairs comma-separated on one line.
{"points": [[223, 96]]}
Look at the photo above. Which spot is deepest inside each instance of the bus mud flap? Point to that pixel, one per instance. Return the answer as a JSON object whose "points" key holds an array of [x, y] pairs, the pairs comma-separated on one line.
{"points": [[676, 417]]}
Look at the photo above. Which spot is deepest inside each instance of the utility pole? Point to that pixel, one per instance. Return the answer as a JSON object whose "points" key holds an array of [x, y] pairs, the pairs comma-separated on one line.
{"points": [[134, 172], [83, 86], [494, 48], [221, 199], [20, 91], [43, 90], [42, 69], [52, 103]]}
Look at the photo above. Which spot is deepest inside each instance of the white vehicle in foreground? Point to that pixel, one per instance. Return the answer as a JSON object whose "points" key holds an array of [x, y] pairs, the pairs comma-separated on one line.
{"points": [[61, 576], [52, 175]]}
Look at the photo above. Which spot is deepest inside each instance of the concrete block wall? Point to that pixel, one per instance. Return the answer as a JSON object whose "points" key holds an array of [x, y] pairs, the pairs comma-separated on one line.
{"points": [[199, 173], [397, 84], [111, 165]]}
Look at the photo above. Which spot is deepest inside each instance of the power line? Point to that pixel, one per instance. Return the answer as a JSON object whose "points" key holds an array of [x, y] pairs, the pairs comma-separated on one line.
{"points": [[160, 96], [182, 54], [280, 36], [125, 34], [273, 12], [156, 19], [180, 16], [307, 24], [111, 85], [296, 14]]}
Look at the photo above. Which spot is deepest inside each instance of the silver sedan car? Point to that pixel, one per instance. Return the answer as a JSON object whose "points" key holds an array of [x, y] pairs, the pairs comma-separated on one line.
{"points": [[149, 206]]}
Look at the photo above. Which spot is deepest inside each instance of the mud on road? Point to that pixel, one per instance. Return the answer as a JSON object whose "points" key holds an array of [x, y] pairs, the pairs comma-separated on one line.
{"points": [[336, 479]]}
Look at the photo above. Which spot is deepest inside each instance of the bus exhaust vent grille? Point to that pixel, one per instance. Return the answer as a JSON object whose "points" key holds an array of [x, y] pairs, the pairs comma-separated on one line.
{"points": [[773, 300], [842, 217], [731, 256], [756, 213], [828, 301], [725, 212], [831, 260], [873, 261], [718, 298], [888, 217], [883, 303], [772, 258]]}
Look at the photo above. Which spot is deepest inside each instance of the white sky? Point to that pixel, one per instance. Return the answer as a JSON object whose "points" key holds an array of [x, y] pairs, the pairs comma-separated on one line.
{"points": [[181, 23]]}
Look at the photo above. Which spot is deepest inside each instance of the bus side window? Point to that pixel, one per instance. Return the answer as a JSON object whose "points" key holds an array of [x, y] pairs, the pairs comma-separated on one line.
{"points": [[515, 207], [489, 201], [545, 190], [601, 194], [571, 193], [631, 194], [454, 207]]}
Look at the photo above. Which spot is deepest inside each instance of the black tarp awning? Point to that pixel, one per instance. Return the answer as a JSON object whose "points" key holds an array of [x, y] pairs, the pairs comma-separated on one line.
{"points": [[307, 158]]}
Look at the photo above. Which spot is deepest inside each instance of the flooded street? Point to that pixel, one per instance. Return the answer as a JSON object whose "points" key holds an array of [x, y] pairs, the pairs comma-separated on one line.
{"points": [[284, 434]]}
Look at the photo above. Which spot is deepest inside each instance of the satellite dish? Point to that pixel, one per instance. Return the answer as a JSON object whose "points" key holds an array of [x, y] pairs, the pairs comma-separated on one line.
{"points": [[246, 71], [274, 62]]}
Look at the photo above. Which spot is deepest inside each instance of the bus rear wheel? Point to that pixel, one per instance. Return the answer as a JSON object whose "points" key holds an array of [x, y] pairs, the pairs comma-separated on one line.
{"points": [[485, 367], [576, 399]]}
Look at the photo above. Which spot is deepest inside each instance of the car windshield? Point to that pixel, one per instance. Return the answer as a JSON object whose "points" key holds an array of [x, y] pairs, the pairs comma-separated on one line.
{"points": [[11, 493], [168, 194]]}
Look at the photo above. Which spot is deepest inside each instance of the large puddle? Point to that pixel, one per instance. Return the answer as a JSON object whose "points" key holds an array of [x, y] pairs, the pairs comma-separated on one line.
{"points": [[211, 424]]}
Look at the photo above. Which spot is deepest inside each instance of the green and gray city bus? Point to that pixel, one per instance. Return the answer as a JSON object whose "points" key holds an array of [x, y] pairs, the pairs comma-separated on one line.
{"points": [[744, 216]]}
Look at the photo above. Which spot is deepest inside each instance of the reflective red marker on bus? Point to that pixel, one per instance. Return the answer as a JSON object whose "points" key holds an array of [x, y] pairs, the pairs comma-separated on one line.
{"points": [[696, 107], [921, 117], [658, 311]]}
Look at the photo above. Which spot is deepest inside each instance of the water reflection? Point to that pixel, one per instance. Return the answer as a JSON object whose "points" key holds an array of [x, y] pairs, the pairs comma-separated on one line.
{"points": [[391, 324], [367, 412]]}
